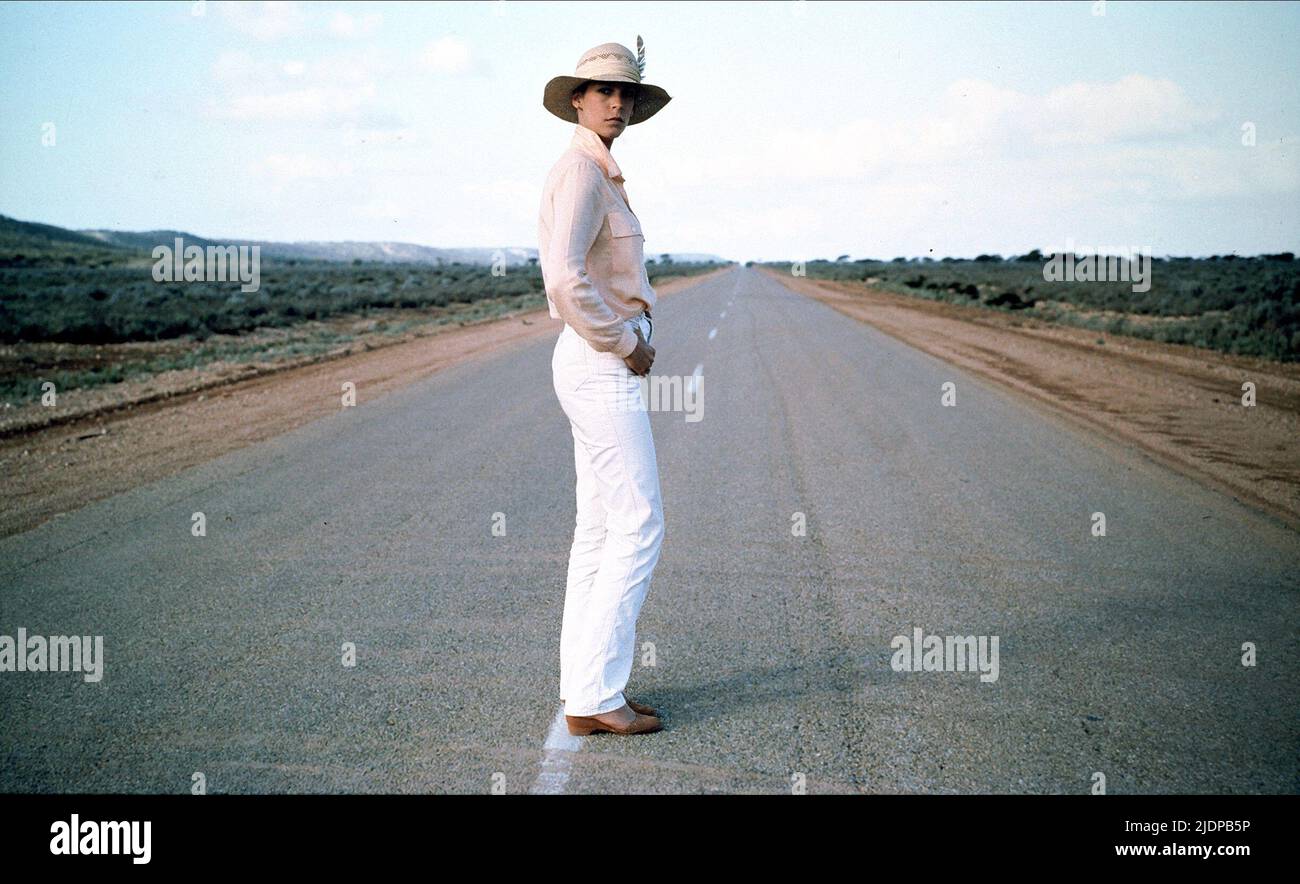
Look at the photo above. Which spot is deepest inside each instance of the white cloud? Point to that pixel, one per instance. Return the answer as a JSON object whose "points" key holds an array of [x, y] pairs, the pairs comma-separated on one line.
{"points": [[328, 89], [299, 105], [383, 209], [397, 137], [767, 224], [447, 55], [510, 188], [1131, 138], [976, 164], [238, 66], [264, 21], [1133, 107], [298, 166], [1197, 172], [504, 198], [345, 25]]}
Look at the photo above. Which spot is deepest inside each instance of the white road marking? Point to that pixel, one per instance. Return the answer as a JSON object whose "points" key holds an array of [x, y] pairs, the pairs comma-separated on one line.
{"points": [[693, 380], [713, 333], [559, 747], [723, 315]]}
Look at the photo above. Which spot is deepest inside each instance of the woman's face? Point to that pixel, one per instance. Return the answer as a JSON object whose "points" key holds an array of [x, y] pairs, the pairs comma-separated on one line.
{"points": [[605, 108]]}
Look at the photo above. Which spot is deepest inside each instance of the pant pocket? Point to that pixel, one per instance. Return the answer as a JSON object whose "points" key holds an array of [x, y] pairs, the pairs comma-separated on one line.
{"points": [[568, 366]]}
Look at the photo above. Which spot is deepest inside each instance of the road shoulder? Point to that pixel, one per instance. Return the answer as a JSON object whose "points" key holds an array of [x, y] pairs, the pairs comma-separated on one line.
{"points": [[61, 468], [1180, 405]]}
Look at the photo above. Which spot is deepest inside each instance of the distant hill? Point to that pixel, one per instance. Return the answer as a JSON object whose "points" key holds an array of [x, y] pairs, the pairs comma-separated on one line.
{"points": [[387, 252], [350, 250], [27, 244], [32, 240], [15, 233], [145, 240]]}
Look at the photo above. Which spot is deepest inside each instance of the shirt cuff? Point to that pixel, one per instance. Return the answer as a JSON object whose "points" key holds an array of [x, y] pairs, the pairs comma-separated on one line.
{"points": [[626, 344]]}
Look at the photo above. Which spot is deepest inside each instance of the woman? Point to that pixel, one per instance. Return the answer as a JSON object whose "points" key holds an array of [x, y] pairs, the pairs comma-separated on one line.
{"points": [[590, 252]]}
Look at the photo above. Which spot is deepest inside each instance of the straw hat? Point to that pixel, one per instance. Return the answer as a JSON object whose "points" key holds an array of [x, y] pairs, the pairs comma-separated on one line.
{"points": [[608, 62]]}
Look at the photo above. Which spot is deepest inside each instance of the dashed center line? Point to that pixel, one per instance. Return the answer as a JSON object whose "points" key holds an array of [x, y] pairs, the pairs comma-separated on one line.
{"points": [[713, 332], [693, 381], [559, 748]]}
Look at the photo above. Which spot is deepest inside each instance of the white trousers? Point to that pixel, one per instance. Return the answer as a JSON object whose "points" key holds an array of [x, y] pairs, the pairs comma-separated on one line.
{"points": [[619, 525]]}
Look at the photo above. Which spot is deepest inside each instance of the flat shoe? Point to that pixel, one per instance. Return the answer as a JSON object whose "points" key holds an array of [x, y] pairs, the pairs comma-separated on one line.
{"points": [[640, 707], [585, 725]]}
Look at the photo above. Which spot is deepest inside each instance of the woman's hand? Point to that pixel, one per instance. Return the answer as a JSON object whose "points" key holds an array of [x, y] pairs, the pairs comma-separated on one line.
{"points": [[640, 359]]}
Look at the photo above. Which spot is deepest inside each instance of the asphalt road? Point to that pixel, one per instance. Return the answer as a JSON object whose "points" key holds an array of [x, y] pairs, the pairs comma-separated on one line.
{"points": [[771, 652]]}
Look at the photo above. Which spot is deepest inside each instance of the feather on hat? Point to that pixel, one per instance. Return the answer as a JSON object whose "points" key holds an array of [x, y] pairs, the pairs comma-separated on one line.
{"points": [[611, 63]]}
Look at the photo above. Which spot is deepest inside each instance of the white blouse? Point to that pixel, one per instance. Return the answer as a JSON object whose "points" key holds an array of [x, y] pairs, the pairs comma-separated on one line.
{"points": [[590, 247]]}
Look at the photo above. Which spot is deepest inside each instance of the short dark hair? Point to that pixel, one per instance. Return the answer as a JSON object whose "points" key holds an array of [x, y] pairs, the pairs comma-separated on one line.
{"points": [[581, 88]]}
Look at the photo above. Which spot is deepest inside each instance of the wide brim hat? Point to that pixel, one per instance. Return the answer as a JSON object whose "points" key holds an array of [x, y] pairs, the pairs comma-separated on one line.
{"points": [[609, 63]]}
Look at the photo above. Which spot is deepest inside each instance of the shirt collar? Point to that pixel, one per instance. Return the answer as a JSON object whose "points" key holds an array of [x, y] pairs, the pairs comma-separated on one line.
{"points": [[589, 142]]}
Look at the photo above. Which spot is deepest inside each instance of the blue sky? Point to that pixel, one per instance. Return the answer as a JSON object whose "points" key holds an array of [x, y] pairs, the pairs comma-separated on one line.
{"points": [[797, 129]]}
